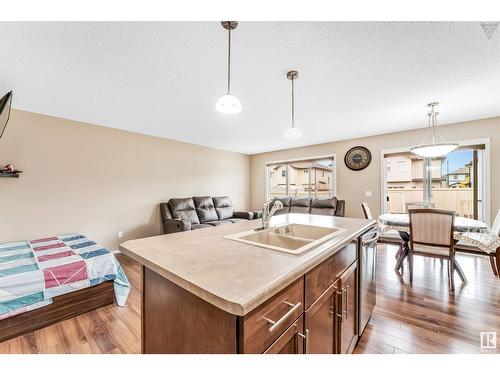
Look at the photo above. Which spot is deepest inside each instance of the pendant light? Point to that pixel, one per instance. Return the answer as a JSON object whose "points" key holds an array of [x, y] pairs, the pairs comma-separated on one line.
{"points": [[433, 145], [228, 104], [293, 132]]}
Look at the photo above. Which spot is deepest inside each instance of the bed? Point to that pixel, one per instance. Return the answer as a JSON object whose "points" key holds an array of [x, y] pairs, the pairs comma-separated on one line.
{"points": [[47, 280]]}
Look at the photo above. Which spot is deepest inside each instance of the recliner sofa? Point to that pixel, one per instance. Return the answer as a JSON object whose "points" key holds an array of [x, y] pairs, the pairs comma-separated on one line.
{"points": [[314, 206], [182, 214]]}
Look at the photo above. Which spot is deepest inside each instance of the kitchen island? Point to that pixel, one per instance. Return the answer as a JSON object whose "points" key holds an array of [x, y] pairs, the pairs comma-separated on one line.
{"points": [[204, 293]]}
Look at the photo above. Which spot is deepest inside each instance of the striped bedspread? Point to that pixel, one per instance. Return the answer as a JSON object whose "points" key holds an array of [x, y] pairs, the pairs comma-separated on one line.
{"points": [[33, 272]]}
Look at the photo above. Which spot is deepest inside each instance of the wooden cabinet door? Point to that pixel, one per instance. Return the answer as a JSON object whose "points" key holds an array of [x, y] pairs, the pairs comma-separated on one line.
{"points": [[347, 310], [319, 325], [291, 341]]}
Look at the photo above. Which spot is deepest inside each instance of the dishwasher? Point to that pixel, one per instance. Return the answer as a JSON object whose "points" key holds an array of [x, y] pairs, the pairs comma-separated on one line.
{"points": [[367, 276]]}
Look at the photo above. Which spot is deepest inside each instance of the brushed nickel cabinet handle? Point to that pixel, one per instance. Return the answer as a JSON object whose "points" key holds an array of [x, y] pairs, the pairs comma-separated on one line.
{"points": [[341, 307], [305, 337], [275, 325], [374, 238], [346, 302]]}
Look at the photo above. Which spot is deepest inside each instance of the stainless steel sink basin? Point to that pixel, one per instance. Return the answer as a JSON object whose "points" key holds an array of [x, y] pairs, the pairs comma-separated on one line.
{"points": [[290, 238]]}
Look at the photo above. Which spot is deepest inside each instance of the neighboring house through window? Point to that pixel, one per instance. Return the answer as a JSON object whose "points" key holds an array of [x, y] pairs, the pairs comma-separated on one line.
{"points": [[302, 178]]}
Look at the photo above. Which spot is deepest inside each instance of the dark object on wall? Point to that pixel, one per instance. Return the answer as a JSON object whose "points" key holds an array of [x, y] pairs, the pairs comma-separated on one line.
{"points": [[5, 103], [358, 158], [10, 171]]}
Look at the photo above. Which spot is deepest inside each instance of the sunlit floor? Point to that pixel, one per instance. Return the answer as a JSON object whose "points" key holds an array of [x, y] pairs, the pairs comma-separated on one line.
{"points": [[423, 318]]}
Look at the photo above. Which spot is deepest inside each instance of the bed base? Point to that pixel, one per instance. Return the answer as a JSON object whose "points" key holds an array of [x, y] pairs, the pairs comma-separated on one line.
{"points": [[62, 307]]}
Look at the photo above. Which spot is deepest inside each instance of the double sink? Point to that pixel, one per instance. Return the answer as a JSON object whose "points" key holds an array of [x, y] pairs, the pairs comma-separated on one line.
{"points": [[289, 238]]}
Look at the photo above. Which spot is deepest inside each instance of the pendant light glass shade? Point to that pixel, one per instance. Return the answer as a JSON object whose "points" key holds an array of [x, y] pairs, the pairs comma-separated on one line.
{"points": [[433, 145], [228, 104], [293, 132], [433, 151]]}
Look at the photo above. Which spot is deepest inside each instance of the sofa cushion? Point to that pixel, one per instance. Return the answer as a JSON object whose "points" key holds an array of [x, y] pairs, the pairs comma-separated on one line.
{"points": [[218, 222], [205, 209], [324, 206], [236, 220], [224, 207], [183, 209], [300, 205], [246, 215], [286, 205], [200, 226]]}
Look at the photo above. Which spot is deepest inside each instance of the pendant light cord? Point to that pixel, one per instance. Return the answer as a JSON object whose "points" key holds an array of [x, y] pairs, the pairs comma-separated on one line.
{"points": [[433, 125], [293, 102], [229, 63]]}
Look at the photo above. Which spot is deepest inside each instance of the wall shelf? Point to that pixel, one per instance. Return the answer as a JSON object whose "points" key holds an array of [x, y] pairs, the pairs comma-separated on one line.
{"points": [[10, 175]]}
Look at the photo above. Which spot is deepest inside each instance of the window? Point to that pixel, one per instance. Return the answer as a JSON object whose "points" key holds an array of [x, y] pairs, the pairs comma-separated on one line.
{"points": [[304, 178], [457, 181]]}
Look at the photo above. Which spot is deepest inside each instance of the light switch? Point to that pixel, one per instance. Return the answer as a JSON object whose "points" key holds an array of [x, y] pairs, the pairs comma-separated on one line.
{"points": [[368, 193]]}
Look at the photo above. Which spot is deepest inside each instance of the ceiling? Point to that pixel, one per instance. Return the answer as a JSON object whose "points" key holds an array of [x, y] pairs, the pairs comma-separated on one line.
{"points": [[163, 79]]}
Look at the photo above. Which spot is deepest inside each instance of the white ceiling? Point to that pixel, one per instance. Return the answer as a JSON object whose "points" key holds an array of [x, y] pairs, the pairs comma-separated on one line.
{"points": [[163, 79]]}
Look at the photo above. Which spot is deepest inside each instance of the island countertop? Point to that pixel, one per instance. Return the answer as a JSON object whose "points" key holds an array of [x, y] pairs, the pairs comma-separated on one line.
{"points": [[231, 275]]}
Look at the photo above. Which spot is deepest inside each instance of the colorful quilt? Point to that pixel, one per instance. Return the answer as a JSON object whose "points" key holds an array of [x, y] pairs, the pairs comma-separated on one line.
{"points": [[33, 272]]}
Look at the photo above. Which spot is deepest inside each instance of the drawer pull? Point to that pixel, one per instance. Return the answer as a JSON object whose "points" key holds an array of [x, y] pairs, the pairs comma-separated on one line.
{"points": [[275, 325], [305, 338], [346, 302]]}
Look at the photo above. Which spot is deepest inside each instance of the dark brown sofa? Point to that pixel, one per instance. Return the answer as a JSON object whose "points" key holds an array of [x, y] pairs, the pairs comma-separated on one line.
{"points": [[313, 206], [181, 214]]}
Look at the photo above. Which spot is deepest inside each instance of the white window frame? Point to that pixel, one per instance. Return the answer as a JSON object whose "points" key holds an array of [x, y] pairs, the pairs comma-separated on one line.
{"points": [[305, 158], [468, 142]]}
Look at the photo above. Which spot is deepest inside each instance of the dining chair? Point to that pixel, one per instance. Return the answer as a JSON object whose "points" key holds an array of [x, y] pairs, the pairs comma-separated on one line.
{"points": [[491, 235], [383, 239], [431, 235], [413, 205], [495, 231], [366, 211]]}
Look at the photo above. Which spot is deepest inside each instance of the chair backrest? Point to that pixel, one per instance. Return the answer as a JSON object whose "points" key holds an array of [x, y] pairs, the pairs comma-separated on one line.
{"points": [[495, 228], [412, 205], [432, 227], [366, 211]]}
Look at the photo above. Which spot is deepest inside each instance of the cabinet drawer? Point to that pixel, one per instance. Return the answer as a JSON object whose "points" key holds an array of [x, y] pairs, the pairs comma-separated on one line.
{"points": [[262, 326], [321, 277], [289, 342]]}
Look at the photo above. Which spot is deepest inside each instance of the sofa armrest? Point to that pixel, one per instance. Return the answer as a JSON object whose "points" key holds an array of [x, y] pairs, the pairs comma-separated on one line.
{"points": [[257, 214], [176, 225], [243, 215], [340, 210]]}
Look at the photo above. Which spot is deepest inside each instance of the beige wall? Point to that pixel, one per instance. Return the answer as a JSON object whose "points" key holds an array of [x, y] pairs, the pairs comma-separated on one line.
{"points": [[98, 181], [351, 185]]}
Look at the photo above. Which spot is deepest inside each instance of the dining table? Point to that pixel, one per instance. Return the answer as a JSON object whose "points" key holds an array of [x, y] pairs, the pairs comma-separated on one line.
{"points": [[466, 231]]}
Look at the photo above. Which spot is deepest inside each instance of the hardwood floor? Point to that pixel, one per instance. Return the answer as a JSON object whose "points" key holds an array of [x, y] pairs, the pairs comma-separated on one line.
{"points": [[424, 318]]}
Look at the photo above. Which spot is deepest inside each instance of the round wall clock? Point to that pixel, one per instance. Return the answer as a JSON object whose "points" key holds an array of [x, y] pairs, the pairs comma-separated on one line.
{"points": [[358, 158]]}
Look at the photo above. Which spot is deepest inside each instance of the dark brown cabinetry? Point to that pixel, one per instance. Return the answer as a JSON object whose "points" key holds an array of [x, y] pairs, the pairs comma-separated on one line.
{"points": [[317, 313], [347, 310], [262, 326], [291, 341], [320, 327]]}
